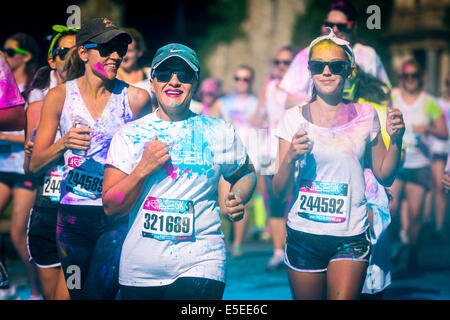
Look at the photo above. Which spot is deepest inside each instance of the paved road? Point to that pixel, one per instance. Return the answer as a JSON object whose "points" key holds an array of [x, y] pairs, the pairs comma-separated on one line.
{"points": [[248, 280]]}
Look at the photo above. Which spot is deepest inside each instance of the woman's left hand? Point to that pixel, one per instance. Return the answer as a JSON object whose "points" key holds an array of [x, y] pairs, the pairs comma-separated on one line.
{"points": [[234, 209], [395, 126]]}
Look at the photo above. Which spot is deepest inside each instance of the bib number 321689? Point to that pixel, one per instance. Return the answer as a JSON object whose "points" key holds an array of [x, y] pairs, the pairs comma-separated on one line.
{"points": [[324, 201], [167, 219]]}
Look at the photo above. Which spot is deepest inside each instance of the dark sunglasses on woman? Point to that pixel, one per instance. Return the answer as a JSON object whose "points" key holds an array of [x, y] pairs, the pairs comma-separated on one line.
{"points": [[106, 49], [336, 67], [342, 27], [184, 76], [241, 79], [285, 62], [410, 76], [61, 52], [10, 52]]}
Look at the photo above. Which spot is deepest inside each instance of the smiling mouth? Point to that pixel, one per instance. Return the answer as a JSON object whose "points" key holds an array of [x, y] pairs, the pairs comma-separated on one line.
{"points": [[173, 93]]}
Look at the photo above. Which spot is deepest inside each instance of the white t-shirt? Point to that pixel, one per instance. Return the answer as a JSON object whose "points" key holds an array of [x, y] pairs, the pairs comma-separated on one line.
{"points": [[329, 188], [441, 146], [268, 143], [39, 94], [239, 111], [202, 149], [422, 112]]}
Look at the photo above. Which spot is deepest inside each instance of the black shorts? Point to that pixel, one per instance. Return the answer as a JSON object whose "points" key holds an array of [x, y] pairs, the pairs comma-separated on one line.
{"points": [[439, 156], [41, 237], [16, 180], [419, 176], [306, 252]]}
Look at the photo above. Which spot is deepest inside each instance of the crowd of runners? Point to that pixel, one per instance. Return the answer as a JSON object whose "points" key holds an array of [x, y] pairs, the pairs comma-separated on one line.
{"points": [[119, 178]]}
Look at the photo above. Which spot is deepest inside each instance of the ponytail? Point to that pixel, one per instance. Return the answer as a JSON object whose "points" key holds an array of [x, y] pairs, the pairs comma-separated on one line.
{"points": [[73, 65]]}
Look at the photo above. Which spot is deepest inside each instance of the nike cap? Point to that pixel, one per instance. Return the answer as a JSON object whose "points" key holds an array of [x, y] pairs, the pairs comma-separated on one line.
{"points": [[179, 51]]}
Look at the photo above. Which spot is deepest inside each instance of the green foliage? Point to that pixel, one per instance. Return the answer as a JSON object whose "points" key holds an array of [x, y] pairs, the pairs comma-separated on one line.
{"points": [[222, 23]]}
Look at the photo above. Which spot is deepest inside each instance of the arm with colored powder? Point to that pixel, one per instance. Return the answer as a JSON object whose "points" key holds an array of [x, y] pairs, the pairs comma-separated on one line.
{"points": [[385, 164], [46, 152], [289, 153], [120, 190], [243, 184]]}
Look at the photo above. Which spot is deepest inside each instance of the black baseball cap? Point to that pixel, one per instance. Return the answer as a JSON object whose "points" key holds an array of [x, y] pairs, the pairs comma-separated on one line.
{"points": [[100, 30]]}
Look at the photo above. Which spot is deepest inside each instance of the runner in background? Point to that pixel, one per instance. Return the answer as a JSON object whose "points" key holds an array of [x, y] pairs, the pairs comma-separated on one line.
{"points": [[88, 109], [207, 94], [423, 118], [374, 92], [271, 106], [12, 114], [41, 239], [22, 54], [436, 199], [341, 17], [130, 70], [328, 243], [238, 108], [174, 248], [12, 117]]}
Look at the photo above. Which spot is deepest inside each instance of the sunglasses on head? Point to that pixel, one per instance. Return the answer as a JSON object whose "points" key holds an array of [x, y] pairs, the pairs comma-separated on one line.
{"points": [[236, 78], [336, 67], [10, 52], [340, 26], [106, 49], [184, 76], [61, 52], [410, 76], [285, 62]]}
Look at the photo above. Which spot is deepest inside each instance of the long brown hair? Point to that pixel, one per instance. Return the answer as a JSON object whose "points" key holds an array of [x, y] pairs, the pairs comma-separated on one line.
{"points": [[73, 65]]}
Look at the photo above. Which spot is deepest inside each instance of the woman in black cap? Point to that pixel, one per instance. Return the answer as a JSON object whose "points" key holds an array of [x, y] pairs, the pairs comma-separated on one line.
{"points": [[163, 172], [89, 108]]}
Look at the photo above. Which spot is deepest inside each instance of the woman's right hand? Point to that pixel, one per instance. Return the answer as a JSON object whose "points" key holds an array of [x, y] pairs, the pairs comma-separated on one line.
{"points": [[155, 155], [28, 148], [78, 138], [299, 146]]}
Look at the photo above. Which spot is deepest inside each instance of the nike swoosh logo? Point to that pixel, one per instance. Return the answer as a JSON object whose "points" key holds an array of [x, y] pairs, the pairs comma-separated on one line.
{"points": [[175, 50]]}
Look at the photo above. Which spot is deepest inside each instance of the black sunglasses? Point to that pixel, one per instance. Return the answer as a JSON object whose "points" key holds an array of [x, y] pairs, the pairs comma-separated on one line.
{"points": [[285, 62], [184, 76], [340, 26], [242, 79], [106, 49], [410, 76], [61, 52], [336, 67], [10, 52]]}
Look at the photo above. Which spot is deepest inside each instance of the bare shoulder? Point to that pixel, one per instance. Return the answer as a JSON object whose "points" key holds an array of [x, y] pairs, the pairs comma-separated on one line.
{"points": [[54, 100], [137, 93]]}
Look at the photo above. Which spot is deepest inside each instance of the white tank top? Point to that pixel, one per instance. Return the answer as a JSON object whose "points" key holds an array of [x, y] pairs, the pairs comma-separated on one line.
{"points": [[83, 175]]}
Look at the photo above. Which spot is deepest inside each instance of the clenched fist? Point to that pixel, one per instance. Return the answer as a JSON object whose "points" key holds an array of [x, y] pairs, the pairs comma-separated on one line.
{"points": [[155, 155]]}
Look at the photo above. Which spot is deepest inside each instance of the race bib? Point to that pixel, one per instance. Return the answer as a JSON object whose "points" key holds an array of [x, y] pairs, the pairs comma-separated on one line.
{"points": [[324, 201], [82, 182], [167, 219], [52, 184]]}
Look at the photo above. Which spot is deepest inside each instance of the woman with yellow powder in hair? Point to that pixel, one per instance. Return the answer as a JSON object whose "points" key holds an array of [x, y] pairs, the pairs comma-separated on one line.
{"points": [[323, 147]]}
